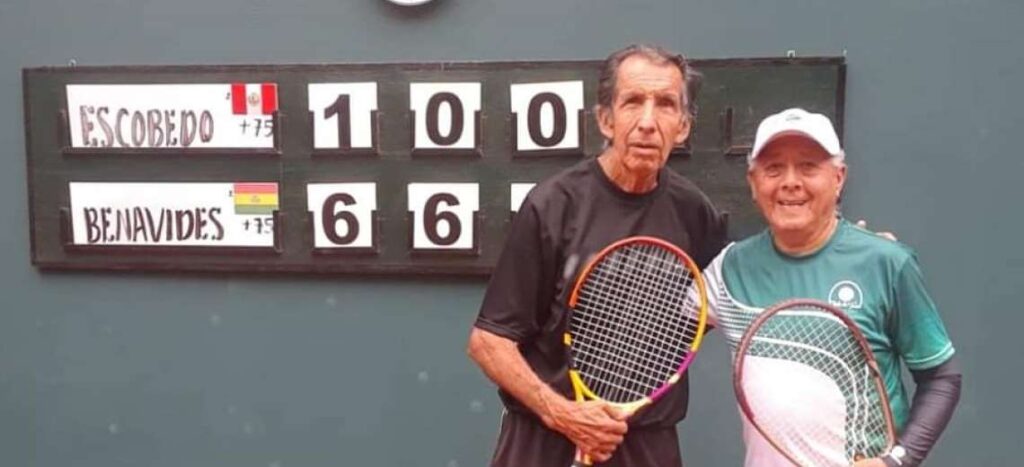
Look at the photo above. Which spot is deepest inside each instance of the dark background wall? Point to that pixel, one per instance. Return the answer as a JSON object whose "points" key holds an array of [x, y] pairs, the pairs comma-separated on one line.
{"points": [[209, 370]]}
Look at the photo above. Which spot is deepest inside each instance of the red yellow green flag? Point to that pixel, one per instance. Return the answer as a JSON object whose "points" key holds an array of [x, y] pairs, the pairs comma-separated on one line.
{"points": [[255, 198]]}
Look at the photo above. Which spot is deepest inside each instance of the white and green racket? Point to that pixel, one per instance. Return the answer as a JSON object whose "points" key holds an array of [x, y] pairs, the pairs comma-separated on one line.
{"points": [[807, 380]]}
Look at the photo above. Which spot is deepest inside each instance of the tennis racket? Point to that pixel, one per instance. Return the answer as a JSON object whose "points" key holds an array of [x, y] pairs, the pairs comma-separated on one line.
{"points": [[638, 312], [808, 382]]}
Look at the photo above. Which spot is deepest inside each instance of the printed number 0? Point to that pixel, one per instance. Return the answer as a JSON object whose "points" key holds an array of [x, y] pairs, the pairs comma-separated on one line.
{"points": [[431, 219], [558, 114], [330, 217], [433, 114]]}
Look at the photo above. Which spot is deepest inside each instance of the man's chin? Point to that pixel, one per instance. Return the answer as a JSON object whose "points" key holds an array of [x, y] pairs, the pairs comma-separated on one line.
{"points": [[644, 164], [787, 226]]}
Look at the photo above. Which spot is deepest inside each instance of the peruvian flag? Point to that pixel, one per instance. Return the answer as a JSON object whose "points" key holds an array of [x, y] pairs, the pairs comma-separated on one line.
{"points": [[248, 98]]}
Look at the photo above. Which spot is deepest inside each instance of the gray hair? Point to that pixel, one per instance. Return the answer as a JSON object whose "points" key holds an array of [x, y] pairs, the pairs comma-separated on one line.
{"points": [[656, 54]]}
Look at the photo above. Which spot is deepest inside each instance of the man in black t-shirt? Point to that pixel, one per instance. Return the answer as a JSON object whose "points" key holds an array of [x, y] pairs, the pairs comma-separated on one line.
{"points": [[643, 111]]}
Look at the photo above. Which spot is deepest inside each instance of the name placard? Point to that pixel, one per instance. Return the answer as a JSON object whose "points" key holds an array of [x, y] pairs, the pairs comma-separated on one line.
{"points": [[233, 115]]}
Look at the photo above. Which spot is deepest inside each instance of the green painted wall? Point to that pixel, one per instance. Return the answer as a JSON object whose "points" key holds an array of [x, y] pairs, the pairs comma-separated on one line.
{"points": [[206, 370]]}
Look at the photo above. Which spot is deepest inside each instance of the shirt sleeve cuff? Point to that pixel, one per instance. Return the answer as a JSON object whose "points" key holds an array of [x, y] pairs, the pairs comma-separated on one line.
{"points": [[494, 328], [932, 361]]}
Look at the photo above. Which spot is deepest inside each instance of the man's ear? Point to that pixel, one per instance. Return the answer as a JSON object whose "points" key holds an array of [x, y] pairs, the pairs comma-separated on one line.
{"points": [[750, 183], [684, 131], [841, 175], [605, 123]]}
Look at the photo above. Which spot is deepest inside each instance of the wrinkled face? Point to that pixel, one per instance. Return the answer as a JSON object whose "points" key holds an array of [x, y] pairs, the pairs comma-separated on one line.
{"points": [[646, 119], [796, 185]]}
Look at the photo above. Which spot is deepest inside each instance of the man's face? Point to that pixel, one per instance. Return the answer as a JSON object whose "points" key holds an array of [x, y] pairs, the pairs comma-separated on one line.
{"points": [[646, 119], [796, 185]]}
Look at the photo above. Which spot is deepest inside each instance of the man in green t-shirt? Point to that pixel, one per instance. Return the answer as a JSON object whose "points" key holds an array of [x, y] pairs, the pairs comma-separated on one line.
{"points": [[796, 174]]}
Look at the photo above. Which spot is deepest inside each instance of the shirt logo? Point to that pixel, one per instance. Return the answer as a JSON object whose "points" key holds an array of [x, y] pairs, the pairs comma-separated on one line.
{"points": [[846, 294]]}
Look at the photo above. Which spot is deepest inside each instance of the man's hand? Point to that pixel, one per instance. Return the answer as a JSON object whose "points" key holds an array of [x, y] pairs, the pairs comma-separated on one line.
{"points": [[864, 225], [597, 428], [873, 462]]}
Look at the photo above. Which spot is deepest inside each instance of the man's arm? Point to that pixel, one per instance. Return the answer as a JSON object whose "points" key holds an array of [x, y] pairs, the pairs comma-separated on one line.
{"points": [[935, 398], [925, 348], [595, 427]]}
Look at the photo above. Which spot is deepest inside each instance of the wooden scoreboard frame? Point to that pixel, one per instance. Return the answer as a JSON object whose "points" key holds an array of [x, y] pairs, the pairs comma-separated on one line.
{"points": [[431, 193]]}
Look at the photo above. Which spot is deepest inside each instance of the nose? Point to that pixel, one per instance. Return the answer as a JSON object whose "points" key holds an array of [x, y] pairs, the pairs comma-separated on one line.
{"points": [[791, 179], [646, 123]]}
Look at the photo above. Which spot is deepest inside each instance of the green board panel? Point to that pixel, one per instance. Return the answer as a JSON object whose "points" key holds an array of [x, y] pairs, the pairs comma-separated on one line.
{"points": [[735, 95]]}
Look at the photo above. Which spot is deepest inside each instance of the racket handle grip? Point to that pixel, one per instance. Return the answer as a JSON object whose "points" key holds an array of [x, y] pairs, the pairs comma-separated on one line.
{"points": [[581, 460]]}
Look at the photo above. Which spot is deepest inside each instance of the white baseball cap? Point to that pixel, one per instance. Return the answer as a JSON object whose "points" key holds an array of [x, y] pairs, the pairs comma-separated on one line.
{"points": [[797, 121]]}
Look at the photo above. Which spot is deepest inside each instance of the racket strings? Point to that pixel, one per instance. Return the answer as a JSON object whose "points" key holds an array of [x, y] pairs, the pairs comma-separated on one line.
{"points": [[821, 341], [639, 286], [633, 323], [640, 294]]}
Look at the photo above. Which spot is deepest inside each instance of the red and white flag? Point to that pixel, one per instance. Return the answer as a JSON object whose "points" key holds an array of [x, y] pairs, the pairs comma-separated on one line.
{"points": [[248, 98]]}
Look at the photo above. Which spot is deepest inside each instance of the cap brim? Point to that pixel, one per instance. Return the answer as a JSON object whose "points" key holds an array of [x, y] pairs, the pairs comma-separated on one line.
{"points": [[791, 132]]}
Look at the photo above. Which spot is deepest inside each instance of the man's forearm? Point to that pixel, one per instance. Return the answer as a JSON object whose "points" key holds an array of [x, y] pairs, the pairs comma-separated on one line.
{"points": [[935, 398], [500, 360], [595, 427]]}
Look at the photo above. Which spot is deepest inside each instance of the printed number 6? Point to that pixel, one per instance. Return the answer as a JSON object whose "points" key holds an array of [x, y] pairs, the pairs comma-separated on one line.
{"points": [[330, 217], [431, 219]]}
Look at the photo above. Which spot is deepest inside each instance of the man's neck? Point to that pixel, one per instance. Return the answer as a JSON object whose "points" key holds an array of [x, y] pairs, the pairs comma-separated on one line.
{"points": [[627, 181], [805, 244]]}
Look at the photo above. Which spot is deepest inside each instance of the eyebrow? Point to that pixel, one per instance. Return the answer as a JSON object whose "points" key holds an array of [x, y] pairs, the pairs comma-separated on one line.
{"points": [[657, 92]]}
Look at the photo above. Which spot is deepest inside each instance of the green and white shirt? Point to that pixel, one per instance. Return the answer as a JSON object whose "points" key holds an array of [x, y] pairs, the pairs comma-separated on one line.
{"points": [[877, 282]]}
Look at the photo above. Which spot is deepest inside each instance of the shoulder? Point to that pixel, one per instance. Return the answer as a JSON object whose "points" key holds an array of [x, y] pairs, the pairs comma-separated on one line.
{"points": [[559, 189], [883, 249], [754, 244], [683, 189], [714, 268]]}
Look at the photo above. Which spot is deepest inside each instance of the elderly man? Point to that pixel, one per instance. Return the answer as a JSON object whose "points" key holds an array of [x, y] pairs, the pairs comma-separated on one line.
{"points": [[643, 113], [796, 174]]}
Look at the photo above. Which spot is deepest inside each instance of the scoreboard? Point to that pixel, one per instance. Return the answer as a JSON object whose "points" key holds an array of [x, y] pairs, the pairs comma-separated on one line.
{"points": [[404, 168]]}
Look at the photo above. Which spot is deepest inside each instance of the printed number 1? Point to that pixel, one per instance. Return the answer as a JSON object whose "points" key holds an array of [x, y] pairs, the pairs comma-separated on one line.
{"points": [[341, 108]]}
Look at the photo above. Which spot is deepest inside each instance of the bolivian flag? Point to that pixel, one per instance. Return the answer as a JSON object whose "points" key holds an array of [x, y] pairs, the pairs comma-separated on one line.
{"points": [[255, 198]]}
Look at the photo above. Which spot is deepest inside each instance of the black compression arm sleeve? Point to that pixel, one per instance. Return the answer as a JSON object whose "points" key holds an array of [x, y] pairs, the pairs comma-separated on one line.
{"points": [[935, 398]]}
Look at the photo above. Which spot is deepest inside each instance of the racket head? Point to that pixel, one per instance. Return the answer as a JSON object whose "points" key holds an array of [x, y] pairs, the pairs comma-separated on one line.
{"points": [[807, 380], [638, 315]]}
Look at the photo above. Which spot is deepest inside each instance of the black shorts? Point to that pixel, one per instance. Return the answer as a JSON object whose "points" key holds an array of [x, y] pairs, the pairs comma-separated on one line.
{"points": [[525, 442]]}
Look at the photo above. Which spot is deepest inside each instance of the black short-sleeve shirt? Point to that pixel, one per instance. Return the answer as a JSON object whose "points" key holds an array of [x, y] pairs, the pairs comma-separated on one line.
{"points": [[563, 222]]}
